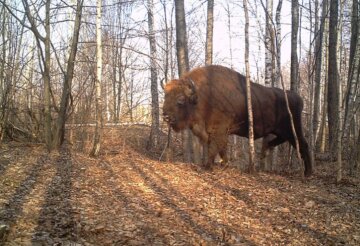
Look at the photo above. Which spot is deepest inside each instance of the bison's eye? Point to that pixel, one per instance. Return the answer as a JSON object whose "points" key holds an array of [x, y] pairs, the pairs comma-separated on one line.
{"points": [[180, 101]]}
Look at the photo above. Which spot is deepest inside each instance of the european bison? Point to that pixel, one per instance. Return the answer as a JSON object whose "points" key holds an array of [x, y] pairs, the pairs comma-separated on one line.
{"points": [[211, 101]]}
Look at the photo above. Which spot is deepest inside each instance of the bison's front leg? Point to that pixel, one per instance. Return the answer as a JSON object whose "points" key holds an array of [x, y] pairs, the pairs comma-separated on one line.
{"points": [[217, 145]]}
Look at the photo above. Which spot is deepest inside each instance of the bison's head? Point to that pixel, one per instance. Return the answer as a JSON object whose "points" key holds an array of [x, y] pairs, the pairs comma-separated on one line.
{"points": [[180, 99]]}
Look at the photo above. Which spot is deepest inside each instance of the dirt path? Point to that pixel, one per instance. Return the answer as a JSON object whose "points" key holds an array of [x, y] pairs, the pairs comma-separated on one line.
{"points": [[128, 199]]}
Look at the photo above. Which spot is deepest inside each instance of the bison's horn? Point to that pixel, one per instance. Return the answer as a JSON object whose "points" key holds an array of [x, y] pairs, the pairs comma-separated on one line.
{"points": [[192, 85], [193, 97]]}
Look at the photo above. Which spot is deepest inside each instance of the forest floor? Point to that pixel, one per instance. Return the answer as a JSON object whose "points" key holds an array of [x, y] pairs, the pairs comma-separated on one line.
{"points": [[126, 197]]}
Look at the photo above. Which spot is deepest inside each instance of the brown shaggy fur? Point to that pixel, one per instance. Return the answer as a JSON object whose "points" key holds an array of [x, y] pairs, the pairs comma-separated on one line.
{"points": [[211, 101]]}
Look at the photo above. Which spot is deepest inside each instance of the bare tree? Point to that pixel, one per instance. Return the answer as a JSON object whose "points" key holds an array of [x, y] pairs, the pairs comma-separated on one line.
{"points": [[209, 33], [318, 50], [294, 83], [354, 70], [269, 44], [99, 117], [352, 101], [333, 78], [183, 65], [155, 124], [10, 69], [248, 92], [269, 65], [278, 43], [68, 78]]}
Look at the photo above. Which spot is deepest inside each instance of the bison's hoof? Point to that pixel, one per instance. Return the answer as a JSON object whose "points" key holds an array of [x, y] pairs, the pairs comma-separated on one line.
{"points": [[224, 166], [207, 167], [307, 174]]}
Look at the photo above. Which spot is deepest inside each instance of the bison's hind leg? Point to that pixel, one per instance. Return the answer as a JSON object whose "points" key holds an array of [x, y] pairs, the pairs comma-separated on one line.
{"points": [[305, 154], [269, 142]]}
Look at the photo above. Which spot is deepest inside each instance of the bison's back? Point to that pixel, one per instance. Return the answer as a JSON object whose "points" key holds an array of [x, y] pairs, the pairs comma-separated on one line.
{"points": [[219, 89], [222, 94]]}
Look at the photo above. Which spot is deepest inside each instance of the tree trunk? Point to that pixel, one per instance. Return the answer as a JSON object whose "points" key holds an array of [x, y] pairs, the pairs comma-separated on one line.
{"points": [[310, 78], [209, 33], [294, 81], [155, 124], [319, 45], [167, 43], [269, 47], [64, 104], [354, 70], [114, 81], [183, 66], [208, 58], [46, 75], [181, 38], [339, 174], [333, 79], [267, 163], [99, 117], [119, 83], [233, 138], [248, 92], [228, 15], [322, 128], [278, 42]]}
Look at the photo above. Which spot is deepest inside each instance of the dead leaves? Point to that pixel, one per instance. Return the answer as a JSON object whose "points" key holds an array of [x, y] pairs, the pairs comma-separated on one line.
{"points": [[128, 199]]}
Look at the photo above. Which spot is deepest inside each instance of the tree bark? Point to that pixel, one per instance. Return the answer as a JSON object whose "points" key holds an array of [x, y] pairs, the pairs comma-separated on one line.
{"points": [[354, 70], [46, 75], [319, 46], [269, 45], [155, 124], [99, 116], [181, 38], [278, 43], [68, 77], [294, 83], [251, 167], [209, 33], [333, 79], [183, 66]]}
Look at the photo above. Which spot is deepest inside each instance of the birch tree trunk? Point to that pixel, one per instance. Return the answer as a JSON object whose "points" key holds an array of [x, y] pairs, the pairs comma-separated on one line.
{"points": [[251, 167], [277, 82], [339, 173], [267, 163], [278, 42], [208, 56], [269, 47], [209, 33], [294, 83], [98, 101], [234, 139], [319, 46], [155, 124]]}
